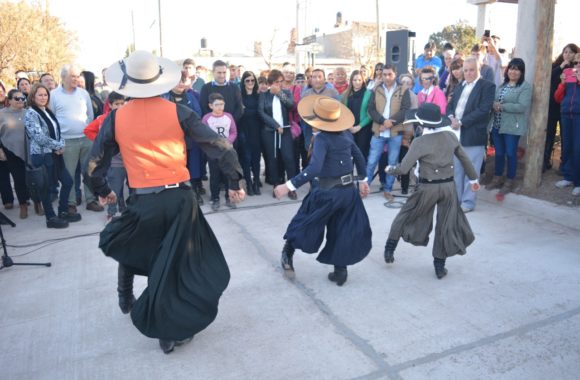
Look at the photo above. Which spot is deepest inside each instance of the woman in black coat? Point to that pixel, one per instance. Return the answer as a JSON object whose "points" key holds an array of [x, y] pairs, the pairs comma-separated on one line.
{"points": [[273, 108]]}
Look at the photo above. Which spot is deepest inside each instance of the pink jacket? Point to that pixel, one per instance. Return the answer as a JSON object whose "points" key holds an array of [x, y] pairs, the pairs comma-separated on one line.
{"points": [[436, 96]]}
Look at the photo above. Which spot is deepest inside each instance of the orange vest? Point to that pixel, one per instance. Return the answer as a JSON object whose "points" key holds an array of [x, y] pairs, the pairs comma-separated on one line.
{"points": [[151, 142]]}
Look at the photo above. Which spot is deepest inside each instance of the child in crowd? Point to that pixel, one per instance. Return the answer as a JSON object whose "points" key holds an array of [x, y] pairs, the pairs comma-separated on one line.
{"points": [[224, 125], [117, 175]]}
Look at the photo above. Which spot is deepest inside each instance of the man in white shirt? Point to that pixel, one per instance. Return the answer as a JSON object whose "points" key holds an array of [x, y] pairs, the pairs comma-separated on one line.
{"points": [[74, 111], [469, 111]]}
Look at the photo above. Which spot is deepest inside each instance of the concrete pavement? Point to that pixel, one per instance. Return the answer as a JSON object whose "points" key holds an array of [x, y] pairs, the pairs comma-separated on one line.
{"points": [[509, 309]]}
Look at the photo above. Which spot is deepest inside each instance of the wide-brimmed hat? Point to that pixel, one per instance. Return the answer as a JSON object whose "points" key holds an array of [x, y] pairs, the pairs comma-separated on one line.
{"points": [[143, 75], [325, 113], [428, 115]]}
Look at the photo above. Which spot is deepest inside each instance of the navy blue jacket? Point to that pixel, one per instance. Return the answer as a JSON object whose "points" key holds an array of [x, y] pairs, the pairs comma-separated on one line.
{"points": [[332, 156], [477, 112]]}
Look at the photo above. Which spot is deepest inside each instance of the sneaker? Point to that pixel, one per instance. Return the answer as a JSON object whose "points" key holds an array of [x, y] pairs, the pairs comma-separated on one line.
{"points": [[215, 204], [563, 183], [388, 196], [69, 217], [56, 222], [95, 206], [576, 191], [231, 204]]}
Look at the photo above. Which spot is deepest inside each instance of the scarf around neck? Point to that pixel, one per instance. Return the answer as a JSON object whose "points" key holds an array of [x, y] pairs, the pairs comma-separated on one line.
{"points": [[49, 123]]}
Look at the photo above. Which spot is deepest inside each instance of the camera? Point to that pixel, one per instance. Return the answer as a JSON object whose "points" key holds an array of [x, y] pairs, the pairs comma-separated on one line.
{"points": [[487, 33]]}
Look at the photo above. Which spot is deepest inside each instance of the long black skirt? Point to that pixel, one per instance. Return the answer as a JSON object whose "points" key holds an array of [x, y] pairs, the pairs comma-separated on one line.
{"points": [[165, 236], [341, 213]]}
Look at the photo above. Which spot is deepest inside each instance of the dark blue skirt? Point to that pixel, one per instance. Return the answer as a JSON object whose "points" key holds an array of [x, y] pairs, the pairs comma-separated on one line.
{"points": [[341, 213]]}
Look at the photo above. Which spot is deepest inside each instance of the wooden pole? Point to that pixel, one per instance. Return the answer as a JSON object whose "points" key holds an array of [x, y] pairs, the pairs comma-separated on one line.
{"points": [[541, 94]]}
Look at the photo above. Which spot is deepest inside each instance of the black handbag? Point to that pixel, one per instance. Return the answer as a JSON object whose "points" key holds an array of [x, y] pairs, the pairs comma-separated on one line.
{"points": [[36, 177]]}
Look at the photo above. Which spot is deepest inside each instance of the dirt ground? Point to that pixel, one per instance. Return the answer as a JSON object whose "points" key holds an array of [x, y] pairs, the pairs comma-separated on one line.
{"points": [[547, 190]]}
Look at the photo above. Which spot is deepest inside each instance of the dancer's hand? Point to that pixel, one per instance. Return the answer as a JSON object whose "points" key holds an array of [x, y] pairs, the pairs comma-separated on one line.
{"points": [[364, 189], [475, 186], [110, 199], [281, 191], [390, 170], [236, 196]]}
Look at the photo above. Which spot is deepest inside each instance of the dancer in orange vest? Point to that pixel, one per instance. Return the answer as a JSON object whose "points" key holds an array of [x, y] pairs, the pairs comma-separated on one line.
{"points": [[162, 234]]}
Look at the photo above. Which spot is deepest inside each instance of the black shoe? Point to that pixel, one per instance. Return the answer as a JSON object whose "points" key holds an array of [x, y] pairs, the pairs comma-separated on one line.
{"points": [[390, 250], [257, 190], [215, 204], [70, 217], [125, 289], [167, 345], [286, 260], [249, 188], [56, 222], [339, 275], [183, 341], [440, 270]]}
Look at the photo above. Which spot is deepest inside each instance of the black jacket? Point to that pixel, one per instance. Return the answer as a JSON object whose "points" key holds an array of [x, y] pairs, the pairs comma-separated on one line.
{"points": [[232, 97], [265, 108], [477, 112]]}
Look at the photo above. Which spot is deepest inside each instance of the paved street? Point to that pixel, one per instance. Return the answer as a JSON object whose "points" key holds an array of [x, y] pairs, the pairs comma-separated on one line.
{"points": [[509, 309]]}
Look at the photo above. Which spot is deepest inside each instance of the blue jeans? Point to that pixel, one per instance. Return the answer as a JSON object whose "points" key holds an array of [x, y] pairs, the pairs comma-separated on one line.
{"points": [[56, 169], [570, 130], [505, 145], [464, 193], [377, 147]]}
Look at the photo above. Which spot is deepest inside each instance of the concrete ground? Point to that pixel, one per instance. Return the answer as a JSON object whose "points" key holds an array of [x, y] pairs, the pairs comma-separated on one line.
{"points": [[509, 309]]}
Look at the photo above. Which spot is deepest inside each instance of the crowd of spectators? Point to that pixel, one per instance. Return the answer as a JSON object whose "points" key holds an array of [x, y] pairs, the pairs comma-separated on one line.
{"points": [[50, 125]]}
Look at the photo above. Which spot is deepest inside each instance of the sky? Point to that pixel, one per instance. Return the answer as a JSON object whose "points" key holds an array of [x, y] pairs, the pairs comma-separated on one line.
{"points": [[106, 27]]}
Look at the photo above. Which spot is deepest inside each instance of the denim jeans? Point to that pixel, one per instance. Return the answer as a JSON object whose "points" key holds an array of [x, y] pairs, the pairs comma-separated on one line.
{"points": [[56, 172], [505, 145], [377, 147], [570, 131], [464, 193]]}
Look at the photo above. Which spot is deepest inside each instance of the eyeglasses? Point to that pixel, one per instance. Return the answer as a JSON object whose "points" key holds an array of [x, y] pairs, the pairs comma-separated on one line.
{"points": [[249, 80], [19, 98], [427, 78]]}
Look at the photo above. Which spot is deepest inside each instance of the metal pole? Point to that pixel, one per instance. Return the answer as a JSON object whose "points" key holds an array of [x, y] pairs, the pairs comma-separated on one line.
{"points": [[378, 33], [298, 40], [133, 26], [160, 30]]}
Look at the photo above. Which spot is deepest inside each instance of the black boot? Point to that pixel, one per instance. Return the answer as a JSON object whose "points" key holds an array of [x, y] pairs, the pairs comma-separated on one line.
{"points": [[257, 187], [166, 345], [249, 187], [339, 275], [125, 289], [440, 270], [287, 264], [390, 250]]}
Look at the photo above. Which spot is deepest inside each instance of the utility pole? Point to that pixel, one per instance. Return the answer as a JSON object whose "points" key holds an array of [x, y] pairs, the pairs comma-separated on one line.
{"points": [[544, 23], [378, 33], [297, 53], [160, 30], [133, 26]]}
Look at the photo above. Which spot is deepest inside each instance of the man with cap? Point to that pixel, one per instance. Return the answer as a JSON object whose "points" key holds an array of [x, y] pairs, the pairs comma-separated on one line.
{"points": [[434, 150], [333, 203], [162, 234]]}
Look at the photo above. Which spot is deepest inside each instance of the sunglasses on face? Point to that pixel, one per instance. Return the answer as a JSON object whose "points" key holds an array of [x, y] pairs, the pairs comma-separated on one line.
{"points": [[249, 80], [19, 98], [576, 62], [427, 78]]}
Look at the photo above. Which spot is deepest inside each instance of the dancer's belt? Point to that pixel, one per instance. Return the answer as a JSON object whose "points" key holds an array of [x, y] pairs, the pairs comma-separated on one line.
{"points": [[330, 182], [158, 189], [425, 180]]}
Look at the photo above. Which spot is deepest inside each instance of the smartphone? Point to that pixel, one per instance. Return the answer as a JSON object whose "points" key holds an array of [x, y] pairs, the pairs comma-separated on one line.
{"points": [[570, 75], [486, 33]]}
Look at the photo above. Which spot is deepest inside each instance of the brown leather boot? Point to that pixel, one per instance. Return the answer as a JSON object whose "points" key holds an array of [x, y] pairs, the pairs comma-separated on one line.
{"points": [[23, 211], [38, 208], [508, 186]]}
